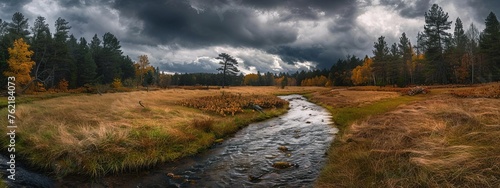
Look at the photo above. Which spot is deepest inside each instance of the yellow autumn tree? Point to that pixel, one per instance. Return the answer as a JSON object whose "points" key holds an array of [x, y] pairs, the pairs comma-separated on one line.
{"points": [[141, 68], [415, 62], [316, 81], [362, 74], [251, 80], [20, 63]]}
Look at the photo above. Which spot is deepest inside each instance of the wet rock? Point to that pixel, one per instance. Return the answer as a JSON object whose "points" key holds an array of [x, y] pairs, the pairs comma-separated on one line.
{"points": [[283, 148], [270, 156], [283, 165], [174, 176], [255, 178]]}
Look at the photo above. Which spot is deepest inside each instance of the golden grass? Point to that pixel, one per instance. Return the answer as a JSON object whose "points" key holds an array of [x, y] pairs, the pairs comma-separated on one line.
{"points": [[491, 90], [94, 135], [338, 98], [441, 141]]}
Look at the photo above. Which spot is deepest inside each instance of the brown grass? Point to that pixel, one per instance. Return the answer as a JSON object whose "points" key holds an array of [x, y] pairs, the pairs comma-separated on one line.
{"points": [[338, 98], [94, 135], [438, 142], [491, 90]]}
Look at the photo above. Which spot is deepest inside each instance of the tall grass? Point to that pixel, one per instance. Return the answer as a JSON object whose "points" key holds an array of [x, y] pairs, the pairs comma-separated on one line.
{"points": [[440, 141], [95, 135]]}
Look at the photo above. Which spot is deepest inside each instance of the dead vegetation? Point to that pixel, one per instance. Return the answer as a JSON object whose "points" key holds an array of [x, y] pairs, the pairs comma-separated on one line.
{"points": [[491, 90], [338, 98], [441, 141]]}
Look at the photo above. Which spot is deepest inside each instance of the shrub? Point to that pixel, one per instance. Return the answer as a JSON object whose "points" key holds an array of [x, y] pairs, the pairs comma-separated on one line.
{"points": [[63, 85], [117, 83], [228, 103], [486, 91]]}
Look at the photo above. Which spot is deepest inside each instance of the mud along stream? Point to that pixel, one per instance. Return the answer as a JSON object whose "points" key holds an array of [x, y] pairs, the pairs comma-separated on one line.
{"points": [[286, 151]]}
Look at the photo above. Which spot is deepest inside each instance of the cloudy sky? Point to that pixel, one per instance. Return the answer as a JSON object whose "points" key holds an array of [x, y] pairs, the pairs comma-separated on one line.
{"points": [[264, 35]]}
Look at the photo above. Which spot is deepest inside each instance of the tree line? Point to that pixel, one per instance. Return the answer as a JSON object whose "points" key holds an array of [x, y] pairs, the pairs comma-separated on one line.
{"points": [[465, 56], [59, 57], [439, 56]]}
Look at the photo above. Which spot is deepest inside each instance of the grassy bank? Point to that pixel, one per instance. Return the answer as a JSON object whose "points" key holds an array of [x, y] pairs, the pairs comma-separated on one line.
{"points": [[94, 135], [424, 141]]}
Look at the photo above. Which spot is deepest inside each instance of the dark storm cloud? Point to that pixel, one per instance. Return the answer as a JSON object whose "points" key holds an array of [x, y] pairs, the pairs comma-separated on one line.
{"points": [[276, 27], [484, 7], [409, 9], [178, 22], [9, 7], [198, 24], [328, 7]]}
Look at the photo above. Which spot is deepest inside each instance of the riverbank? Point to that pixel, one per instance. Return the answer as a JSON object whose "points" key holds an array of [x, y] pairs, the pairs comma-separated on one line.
{"points": [[432, 140], [94, 135], [296, 140]]}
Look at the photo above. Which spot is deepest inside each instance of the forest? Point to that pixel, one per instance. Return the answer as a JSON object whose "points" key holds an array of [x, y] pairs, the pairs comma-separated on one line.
{"points": [[42, 60]]}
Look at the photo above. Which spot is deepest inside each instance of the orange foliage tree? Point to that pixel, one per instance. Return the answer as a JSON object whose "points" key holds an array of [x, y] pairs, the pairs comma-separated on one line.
{"points": [[20, 63], [316, 81], [251, 80], [363, 74]]}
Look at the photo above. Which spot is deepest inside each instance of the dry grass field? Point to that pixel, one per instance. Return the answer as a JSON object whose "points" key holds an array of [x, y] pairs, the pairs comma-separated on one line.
{"points": [[433, 140], [446, 138], [94, 135]]}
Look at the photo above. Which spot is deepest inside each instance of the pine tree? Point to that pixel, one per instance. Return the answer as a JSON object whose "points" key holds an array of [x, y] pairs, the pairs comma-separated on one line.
{"points": [[490, 46], [229, 66], [18, 28], [86, 65], [405, 52], [458, 61], [436, 24], [380, 61], [61, 59]]}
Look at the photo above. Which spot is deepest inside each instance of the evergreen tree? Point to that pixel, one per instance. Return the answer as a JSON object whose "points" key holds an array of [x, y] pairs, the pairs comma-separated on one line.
{"points": [[405, 51], [61, 60], [18, 28], [41, 45], [458, 61], [489, 43], [436, 24], [86, 65], [110, 64], [380, 61], [229, 66]]}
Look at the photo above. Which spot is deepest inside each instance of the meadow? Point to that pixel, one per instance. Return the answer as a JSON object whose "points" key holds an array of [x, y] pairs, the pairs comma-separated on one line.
{"points": [[446, 138], [443, 138], [94, 135]]}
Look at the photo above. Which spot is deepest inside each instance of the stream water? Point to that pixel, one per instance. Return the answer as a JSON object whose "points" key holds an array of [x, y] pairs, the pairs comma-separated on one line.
{"points": [[296, 141]]}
